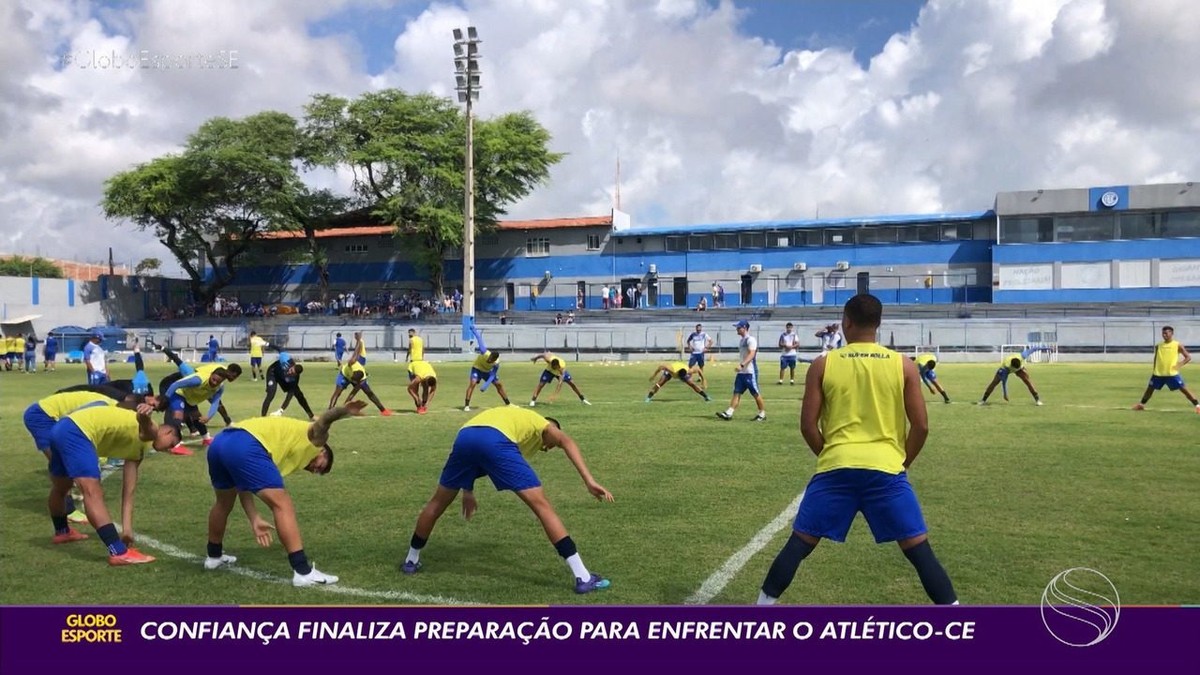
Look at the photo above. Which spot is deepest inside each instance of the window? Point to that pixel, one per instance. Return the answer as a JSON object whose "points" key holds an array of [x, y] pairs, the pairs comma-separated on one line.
{"points": [[956, 232], [807, 238], [841, 236], [983, 231], [593, 242], [877, 235], [1180, 224], [779, 239], [1084, 228], [752, 240], [677, 244], [725, 242], [1026, 230], [356, 248], [700, 242], [537, 246]]}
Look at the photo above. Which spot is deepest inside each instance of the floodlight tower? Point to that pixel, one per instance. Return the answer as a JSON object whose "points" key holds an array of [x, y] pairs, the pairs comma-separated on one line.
{"points": [[467, 84]]}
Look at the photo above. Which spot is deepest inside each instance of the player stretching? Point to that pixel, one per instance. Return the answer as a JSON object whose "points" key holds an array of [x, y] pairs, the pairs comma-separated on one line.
{"points": [[486, 369], [1014, 363], [1166, 369], [556, 369], [678, 370], [925, 365]]}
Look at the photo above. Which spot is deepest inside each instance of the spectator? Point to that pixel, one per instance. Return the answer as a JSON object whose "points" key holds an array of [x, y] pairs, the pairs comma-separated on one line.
{"points": [[703, 305], [640, 296], [631, 297], [604, 296]]}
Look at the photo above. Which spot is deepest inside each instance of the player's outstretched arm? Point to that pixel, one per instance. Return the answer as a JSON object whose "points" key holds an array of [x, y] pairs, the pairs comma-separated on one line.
{"points": [[553, 437], [129, 479], [258, 524], [1187, 357], [318, 431], [540, 357], [658, 371]]}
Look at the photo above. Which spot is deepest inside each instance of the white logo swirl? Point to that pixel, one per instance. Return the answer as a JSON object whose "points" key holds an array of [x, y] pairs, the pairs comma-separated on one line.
{"points": [[1076, 616], [1110, 199]]}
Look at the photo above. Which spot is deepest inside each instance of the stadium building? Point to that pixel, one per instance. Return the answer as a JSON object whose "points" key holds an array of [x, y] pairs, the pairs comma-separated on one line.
{"points": [[1101, 244]]}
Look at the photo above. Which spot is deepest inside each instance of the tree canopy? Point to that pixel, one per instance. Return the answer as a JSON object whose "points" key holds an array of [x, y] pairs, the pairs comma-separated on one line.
{"points": [[18, 266]]}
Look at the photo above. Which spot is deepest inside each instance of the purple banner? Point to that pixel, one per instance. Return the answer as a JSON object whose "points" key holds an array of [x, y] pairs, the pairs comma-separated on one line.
{"points": [[313, 639]]}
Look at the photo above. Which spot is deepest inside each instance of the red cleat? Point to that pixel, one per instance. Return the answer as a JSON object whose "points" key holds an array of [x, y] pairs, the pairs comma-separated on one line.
{"points": [[181, 450], [131, 556], [207, 442], [69, 536], [422, 410], [385, 412]]}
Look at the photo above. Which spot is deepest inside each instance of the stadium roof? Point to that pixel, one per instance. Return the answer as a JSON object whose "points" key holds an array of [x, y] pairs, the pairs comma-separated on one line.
{"points": [[811, 224], [376, 230]]}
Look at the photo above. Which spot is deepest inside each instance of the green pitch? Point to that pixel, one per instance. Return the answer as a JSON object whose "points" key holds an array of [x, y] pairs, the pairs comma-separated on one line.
{"points": [[1013, 494]]}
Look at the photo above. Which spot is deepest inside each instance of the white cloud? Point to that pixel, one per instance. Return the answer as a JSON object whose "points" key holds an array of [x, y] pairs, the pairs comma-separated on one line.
{"points": [[710, 124]]}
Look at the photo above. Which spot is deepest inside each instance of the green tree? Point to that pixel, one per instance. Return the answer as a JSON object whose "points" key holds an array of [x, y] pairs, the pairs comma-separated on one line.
{"points": [[17, 266], [148, 266], [406, 153]]}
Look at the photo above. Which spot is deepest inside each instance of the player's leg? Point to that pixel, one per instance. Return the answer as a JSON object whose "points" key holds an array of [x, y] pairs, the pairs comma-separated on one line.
{"points": [[283, 511], [738, 388], [427, 393], [1186, 393], [538, 390], [218, 519], [940, 390], [500, 390], [703, 394], [474, 380], [1029, 385], [272, 386], [442, 498], [571, 383], [370, 394], [992, 385], [782, 369], [413, 386], [556, 532]]}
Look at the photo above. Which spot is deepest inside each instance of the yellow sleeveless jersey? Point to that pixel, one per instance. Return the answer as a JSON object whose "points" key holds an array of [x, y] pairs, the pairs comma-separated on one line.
{"points": [[58, 406], [256, 347], [421, 369], [113, 431], [481, 362], [353, 367], [203, 392], [552, 370], [1007, 363], [924, 360], [863, 417], [1166, 359], [416, 348], [285, 438], [677, 366], [521, 426]]}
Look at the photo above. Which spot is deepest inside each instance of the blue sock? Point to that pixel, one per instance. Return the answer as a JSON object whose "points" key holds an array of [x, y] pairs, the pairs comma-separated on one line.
{"points": [[108, 534], [299, 562], [933, 575], [60, 524], [783, 570]]}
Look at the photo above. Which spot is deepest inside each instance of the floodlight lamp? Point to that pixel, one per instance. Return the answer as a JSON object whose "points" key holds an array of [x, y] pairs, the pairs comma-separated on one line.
{"points": [[472, 49], [474, 80], [458, 35], [459, 52], [472, 33], [473, 65], [462, 97], [461, 81]]}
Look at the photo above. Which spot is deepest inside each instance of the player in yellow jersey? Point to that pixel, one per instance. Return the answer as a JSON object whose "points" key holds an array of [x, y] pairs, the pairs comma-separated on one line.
{"points": [[76, 443], [250, 459], [1014, 364], [485, 369], [498, 443], [925, 365], [858, 400], [416, 347], [196, 386], [680, 371], [1166, 369], [422, 384], [256, 356], [354, 375], [556, 369], [40, 418]]}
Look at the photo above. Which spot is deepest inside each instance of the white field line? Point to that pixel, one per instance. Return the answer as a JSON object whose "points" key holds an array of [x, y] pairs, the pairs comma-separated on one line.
{"points": [[394, 596], [717, 581]]}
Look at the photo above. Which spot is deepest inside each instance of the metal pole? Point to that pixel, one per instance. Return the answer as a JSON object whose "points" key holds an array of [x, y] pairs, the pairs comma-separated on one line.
{"points": [[469, 209]]}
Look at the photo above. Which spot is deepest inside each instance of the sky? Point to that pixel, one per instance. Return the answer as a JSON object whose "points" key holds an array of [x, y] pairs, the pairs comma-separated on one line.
{"points": [[718, 110]]}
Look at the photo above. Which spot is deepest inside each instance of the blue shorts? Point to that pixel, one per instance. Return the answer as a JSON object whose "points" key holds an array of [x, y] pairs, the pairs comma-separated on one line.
{"points": [[1172, 382], [39, 425], [255, 361], [484, 451], [1002, 373], [930, 376], [177, 403], [548, 377], [237, 460], [743, 382], [72, 455], [696, 360], [338, 355], [342, 382], [787, 361], [833, 498], [95, 378], [50, 356], [478, 375]]}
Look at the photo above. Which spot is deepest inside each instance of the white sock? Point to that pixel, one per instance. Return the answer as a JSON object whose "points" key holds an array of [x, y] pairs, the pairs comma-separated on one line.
{"points": [[762, 413], [578, 568], [764, 599], [729, 411], [414, 555]]}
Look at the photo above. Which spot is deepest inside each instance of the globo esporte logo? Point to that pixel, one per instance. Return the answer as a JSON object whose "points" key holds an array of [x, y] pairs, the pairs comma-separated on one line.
{"points": [[1080, 607]]}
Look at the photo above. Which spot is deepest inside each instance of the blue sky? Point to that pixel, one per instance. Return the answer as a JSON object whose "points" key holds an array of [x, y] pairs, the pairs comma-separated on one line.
{"points": [[861, 26]]}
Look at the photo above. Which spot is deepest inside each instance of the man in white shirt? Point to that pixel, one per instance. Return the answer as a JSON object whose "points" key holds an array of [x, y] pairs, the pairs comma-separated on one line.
{"points": [[789, 342], [746, 377], [96, 360], [699, 343], [831, 338], [604, 297]]}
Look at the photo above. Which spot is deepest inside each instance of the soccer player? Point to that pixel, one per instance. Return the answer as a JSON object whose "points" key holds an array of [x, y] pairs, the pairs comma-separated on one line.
{"points": [[699, 342], [284, 374], [30, 353], [789, 342], [360, 348], [339, 349], [746, 377], [197, 385], [256, 356], [416, 347], [856, 403], [252, 458], [498, 443], [831, 338], [18, 351], [556, 369], [354, 375], [96, 360], [40, 418], [422, 384], [679, 370], [1166, 369], [925, 365], [213, 348], [1014, 363], [76, 444], [486, 369], [50, 352]]}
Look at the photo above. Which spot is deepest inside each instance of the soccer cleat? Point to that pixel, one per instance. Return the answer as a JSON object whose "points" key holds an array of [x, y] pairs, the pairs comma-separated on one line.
{"points": [[313, 578], [982, 403], [1140, 406], [533, 404], [585, 401], [69, 536], [792, 382], [207, 441], [214, 563], [409, 567], [77, 516], [760, 418], [385, 412], [596, 583], [724, 415], [648, 399], [181, 450], [1038, 402], [779, 382], [131, 556], [277, 413], [1198, 409], [195, 434], [466, 408], [253, 378], [707, 398], [422, 410]]}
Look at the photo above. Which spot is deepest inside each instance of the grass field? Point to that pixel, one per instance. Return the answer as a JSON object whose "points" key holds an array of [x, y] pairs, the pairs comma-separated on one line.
{"points": [[1013, 494]]}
